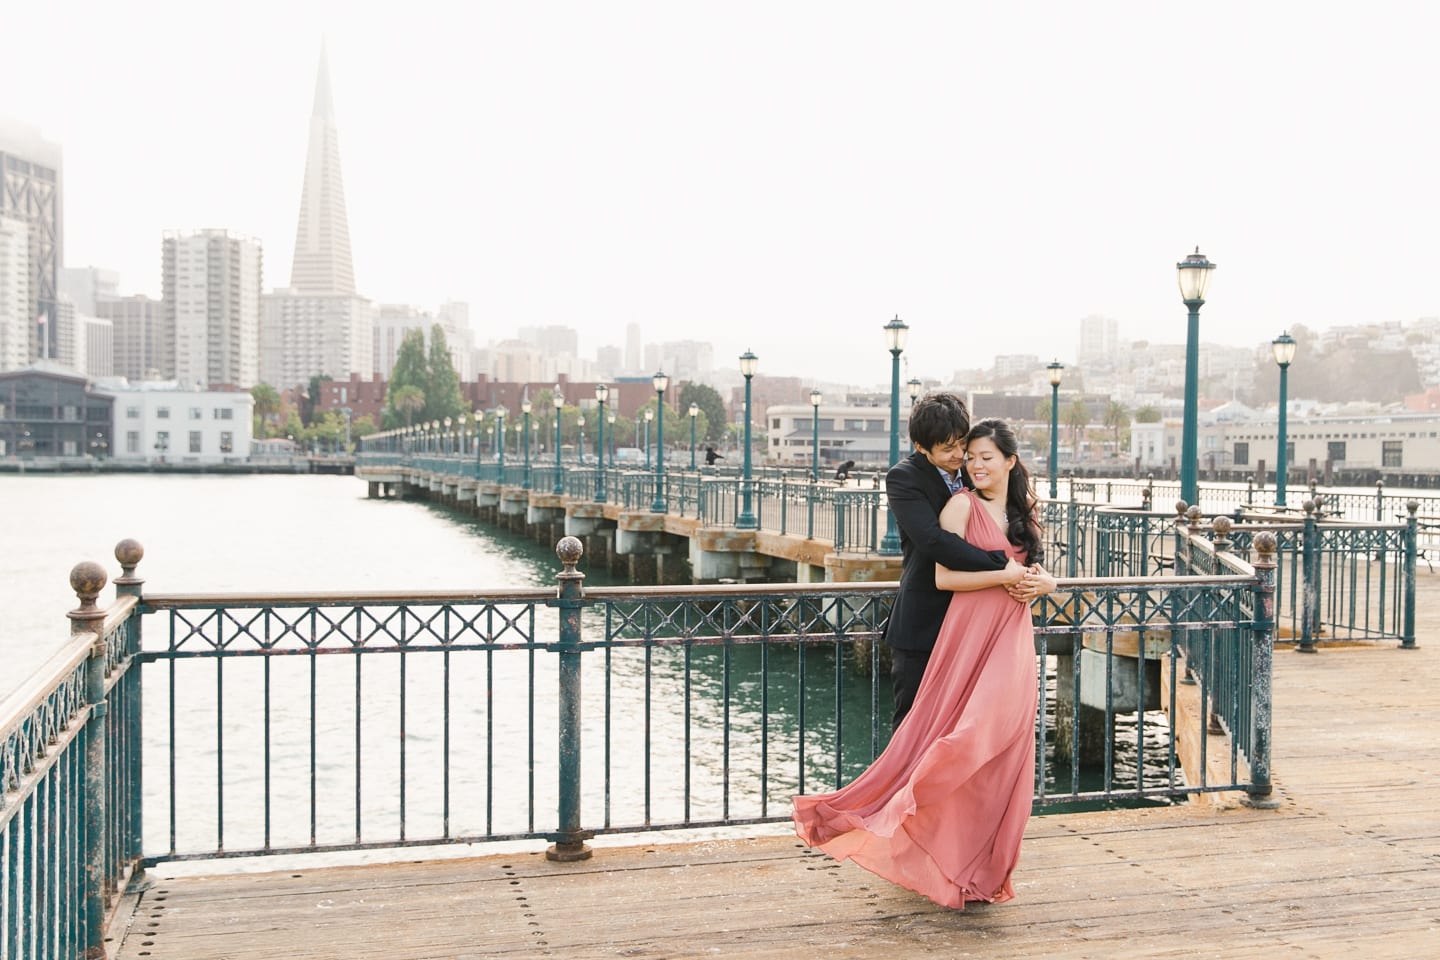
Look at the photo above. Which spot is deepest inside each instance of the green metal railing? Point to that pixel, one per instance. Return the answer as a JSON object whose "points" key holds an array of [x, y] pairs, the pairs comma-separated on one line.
{"points": [[316, 723]]}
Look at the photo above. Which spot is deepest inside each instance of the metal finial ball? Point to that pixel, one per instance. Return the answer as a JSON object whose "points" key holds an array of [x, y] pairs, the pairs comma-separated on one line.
{"points": [[1193, 514], [1309, 506], [129, 552], [569, 550], [1221, 526], [1265, 545], [1181, 506], [87, 579]]}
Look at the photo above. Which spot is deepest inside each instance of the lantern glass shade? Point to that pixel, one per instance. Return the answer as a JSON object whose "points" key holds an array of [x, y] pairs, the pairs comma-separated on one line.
{"points": [[1057, 369], [500, 413], [559, 398], [748, 363], [660, 381], [1194, 273], [815, 398], [1283, 347], [694, 410], [649, 414], [525, 407], [913, 386], [896, 333], [579, 421], [602, 392]]}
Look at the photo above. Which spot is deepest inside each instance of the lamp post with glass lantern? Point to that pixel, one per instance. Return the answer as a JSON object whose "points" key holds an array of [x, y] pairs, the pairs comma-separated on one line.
{"points": [[1194, 273], [525, 410], [815, 398], [694, 412], [896, 332], [448, 436], [611, 420], [500, 422], [649, 415], [660, 381], [602, 393], [745, 520], [913, 386], [1283, 348], [1056, 369], [559, 403], [580, 438]]}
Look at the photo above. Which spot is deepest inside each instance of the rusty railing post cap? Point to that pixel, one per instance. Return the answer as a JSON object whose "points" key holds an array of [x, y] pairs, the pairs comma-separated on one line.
{"points": [[87, 579]]}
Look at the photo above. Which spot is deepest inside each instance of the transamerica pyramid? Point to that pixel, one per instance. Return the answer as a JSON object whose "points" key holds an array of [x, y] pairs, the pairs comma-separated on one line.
{"points": [[322, 262]]}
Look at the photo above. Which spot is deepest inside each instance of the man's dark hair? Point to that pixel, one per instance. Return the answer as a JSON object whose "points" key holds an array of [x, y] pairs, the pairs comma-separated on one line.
{"points": [[938, 418]]}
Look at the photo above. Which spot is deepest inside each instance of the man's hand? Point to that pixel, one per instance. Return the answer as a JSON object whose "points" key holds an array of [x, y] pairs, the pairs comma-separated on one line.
{"points": [[1015, 573], [1036, 582]]}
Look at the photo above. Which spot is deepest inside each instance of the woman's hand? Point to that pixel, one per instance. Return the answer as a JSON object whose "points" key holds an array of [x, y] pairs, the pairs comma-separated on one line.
{"points": [[1036, 582]]}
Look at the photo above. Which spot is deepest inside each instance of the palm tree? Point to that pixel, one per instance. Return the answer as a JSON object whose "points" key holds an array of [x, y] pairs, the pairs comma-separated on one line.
{"points": [[408, 400], [1117, 415], [267, 405]]}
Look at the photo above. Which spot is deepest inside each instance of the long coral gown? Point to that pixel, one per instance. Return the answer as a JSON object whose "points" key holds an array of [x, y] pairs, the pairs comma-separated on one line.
{"points": [[942, 810]]}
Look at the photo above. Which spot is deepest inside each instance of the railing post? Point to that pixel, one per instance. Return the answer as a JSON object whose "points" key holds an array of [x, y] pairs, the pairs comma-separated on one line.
{"points": [[1072, 556], [1259, 792], [1412, 530], [87, 579], [1379, 501], [1310, 590], [129, 553], [810, 494], [569, 841]]}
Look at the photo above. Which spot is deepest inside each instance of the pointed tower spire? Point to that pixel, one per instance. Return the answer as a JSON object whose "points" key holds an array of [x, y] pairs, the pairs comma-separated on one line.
{"points": [[322, 262]]}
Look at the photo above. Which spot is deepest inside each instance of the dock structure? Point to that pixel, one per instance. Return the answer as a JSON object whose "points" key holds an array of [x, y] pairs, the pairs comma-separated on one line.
{"points": [[1345, 867]]}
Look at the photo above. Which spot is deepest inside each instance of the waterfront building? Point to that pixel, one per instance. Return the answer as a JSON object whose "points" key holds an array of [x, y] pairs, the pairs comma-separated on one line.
{"points": [[144, 342], [161, 421], [318, 326], [49, 411], [32, 191], [847, 432], [212, 289]]}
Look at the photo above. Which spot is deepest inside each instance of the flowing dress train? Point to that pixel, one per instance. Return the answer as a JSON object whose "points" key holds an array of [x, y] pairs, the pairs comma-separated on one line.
{"points": [[943, 808]]}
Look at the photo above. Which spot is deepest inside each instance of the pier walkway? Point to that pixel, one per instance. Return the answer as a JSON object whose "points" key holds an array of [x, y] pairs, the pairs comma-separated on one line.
{"points": [[1346, 867]]}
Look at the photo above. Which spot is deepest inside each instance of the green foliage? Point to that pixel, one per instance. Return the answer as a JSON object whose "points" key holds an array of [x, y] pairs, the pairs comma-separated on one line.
{"points": [[423, 387], [1147, 414], [711, 423], [267, 409]]}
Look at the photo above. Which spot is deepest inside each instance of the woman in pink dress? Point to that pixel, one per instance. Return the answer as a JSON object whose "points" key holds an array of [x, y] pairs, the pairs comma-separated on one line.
{"points": [[942, 810]]}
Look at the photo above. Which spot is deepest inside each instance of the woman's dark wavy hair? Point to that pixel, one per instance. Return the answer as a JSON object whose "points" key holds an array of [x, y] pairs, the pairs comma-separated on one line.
{"points": [[1023, 529]]}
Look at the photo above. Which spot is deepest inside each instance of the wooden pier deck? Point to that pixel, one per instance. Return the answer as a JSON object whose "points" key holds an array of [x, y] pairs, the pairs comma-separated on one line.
{"points": [[1349, 866]]}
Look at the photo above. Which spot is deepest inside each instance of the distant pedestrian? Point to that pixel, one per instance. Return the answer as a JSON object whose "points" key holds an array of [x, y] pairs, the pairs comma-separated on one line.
{"points": [[711, 456], [842, 472]]}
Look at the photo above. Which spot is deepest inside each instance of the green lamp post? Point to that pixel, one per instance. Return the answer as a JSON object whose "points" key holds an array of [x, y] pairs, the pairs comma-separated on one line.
{"points": [[559, 402], [660, 381], [746, 520], [1283, 348], [815, 398], [525, 410], [694, 412], [602, 393], [1194, 273], [896, 333], [1057, 370]]}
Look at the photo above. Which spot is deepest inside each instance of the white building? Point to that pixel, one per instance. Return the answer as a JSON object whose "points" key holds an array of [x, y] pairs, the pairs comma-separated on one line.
{"points": [[160, 422], [212, 282], [847, 432]]}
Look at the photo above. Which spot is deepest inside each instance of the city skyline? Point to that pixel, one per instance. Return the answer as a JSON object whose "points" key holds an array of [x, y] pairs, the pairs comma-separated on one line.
{"points": [[780, 179]]}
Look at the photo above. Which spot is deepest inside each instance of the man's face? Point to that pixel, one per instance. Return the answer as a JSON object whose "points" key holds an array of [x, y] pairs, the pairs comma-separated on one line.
{"points": [[948, 456]]}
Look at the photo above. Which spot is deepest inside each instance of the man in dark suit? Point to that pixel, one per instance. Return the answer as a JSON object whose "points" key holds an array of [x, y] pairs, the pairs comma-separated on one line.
{"points": [[918, 488]]}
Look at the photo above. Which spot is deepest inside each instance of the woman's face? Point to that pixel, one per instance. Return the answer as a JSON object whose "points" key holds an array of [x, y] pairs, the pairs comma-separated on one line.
{"points": [[989, 469]]}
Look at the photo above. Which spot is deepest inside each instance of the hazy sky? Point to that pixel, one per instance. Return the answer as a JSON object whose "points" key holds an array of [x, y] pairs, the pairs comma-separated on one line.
{"points": [[779, 176]]}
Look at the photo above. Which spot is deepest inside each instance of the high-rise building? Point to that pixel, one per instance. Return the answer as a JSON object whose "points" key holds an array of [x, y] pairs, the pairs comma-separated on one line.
{"points": [[17, 306], [318, 326], [86, 286], [634, 355], [31, 190], [144, 343], [212, 282], [1099, 337], [393, 321], [99, 336]]}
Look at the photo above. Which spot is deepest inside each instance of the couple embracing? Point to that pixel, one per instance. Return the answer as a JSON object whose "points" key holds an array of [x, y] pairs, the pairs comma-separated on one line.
{"points": [[942, 810]]}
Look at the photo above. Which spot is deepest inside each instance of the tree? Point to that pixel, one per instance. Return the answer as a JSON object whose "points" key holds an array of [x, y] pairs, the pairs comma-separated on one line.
{"points": [[267, 407], [409, 371], [1117, 416], [712, 411], [1076, 417], [405, 401], [442, 391], [1147, 414]]}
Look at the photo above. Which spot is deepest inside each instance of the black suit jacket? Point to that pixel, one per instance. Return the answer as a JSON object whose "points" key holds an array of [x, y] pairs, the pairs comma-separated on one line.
{"points": [[917, 494]]}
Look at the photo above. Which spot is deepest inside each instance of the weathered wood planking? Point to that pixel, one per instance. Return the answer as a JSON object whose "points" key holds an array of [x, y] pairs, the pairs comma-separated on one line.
{"points": [[1347, 868]]}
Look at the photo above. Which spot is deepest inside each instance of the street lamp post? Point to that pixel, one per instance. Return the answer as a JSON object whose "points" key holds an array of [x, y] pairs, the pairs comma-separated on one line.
{"points": [[649, 415], [660, 381], [500, 422], [1057, 369], [1194, 273], [611, 420], [559, 402], [913, 387], [602, 393], [1283, 347], [694, 412], [446, 437], [895, 333], [746, 518], [815, 398], [525, 409], [580, 439]]}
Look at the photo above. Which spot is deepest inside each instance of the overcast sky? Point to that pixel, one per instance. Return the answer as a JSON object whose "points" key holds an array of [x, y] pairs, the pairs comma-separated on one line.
{"points": [[777, 176]]}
